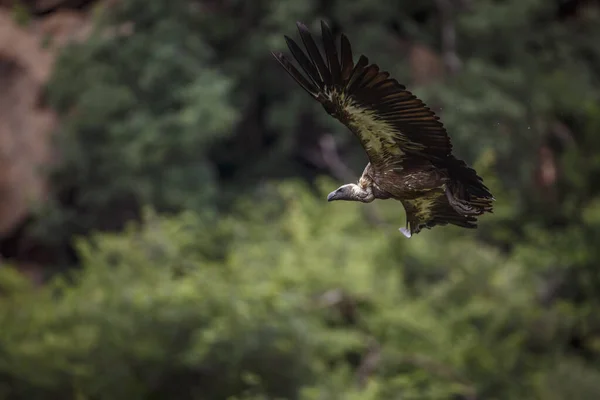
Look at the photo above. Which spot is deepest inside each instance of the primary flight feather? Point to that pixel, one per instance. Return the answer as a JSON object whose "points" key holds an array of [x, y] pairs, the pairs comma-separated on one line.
{"points": [[409, 151]]}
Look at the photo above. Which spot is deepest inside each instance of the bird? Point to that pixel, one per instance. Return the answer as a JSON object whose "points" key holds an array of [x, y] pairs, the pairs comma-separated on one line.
{"points": [[409, 151]]}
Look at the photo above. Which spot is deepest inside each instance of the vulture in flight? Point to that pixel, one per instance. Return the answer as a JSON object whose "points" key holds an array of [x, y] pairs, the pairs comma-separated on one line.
{"points": [[409, 151]]}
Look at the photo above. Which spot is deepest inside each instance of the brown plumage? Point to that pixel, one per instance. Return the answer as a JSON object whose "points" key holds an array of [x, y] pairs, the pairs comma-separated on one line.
{"points": [[409, 151]]}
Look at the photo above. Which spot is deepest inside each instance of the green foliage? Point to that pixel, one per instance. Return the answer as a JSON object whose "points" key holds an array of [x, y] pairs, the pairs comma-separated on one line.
{"points": [[125, 124], [20, 13], [294, 310]]}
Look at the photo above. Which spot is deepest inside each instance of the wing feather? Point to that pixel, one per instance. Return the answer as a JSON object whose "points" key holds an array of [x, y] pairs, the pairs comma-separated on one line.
{"points": [[305, 63], [310, 87], [346, 58], [315, 54], [331, 53], [391, 123]]}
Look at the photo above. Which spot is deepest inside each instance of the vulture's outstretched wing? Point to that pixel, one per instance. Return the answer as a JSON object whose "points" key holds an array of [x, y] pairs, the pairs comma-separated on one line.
{"points": [[391, 123], [433, 209]]}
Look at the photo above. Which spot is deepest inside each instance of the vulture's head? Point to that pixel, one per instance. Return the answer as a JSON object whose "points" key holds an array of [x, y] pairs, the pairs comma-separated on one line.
{"points": [[351, 192]]}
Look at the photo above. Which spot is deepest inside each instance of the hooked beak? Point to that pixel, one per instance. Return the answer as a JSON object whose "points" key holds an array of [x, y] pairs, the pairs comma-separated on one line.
{"points": [[331, 196]]}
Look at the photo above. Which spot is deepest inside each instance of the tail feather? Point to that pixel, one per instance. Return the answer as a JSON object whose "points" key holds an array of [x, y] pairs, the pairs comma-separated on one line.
{"points": [[466, 193], [431, 210], [462, 201]]}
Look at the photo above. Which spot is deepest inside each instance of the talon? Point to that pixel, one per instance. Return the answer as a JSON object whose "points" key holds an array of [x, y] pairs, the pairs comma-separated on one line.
{"points": [[405, 232]]}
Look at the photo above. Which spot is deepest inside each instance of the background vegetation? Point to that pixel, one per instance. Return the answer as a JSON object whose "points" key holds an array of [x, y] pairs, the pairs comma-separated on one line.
{"points": [[196, 257]]}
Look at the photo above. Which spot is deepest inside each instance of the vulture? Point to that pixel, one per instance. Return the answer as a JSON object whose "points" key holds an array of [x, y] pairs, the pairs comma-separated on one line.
{"points": [[409, 152]]}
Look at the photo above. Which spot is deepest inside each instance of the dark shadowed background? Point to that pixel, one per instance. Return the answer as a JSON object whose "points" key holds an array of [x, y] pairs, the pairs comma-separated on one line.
{"points": [[164, 232]]}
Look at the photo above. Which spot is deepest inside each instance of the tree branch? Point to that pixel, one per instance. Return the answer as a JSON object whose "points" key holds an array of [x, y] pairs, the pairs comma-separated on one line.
{"points": [[451, 60], [370, 363]]}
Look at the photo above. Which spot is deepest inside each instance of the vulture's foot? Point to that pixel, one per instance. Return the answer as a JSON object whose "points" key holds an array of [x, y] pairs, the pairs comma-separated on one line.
{"points": [[405, 232]]}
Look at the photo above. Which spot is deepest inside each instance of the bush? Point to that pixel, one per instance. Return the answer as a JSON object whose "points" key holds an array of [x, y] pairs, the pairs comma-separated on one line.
{"points": [[309, 302]]}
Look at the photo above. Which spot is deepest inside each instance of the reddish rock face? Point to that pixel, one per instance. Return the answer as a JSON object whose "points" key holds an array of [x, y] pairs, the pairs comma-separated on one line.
{"points": [[25, 127], [426, 65]]}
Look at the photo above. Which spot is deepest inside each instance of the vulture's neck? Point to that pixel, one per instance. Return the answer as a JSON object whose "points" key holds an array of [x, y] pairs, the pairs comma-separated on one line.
{"points": [[363, 191]]}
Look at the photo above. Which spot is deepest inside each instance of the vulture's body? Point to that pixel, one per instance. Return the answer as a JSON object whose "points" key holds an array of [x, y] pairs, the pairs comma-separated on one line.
{"points": [[410, 154]]}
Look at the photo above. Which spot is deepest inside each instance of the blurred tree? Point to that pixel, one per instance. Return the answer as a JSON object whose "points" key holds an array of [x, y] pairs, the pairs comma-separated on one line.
{"points": [[179, 104], [135, 102], [308, 304]]}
